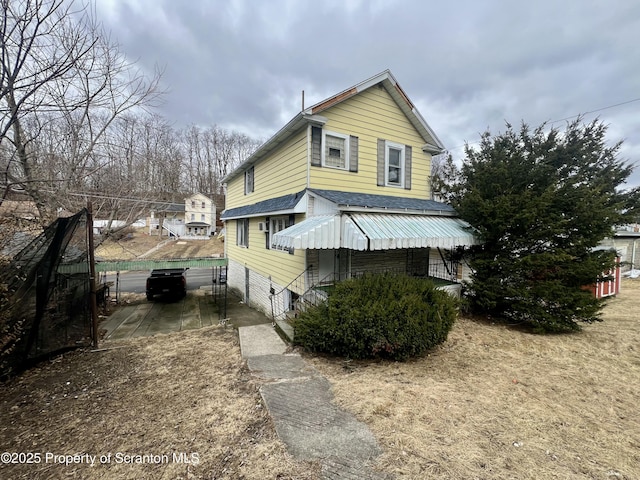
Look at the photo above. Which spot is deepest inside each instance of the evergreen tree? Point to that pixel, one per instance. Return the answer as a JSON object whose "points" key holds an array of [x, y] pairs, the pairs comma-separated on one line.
{"points": [[541, 202]]}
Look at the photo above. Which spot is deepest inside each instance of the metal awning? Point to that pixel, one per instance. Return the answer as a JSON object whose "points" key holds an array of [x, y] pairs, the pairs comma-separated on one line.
{"points": [[321, 232], [388, 232], [374, 231]]}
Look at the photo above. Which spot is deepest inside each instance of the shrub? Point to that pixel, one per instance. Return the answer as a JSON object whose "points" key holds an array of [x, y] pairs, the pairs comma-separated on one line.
{"points": [[378, 316]]}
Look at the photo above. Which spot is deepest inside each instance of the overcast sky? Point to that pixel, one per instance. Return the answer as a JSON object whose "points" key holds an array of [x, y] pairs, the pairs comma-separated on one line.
{"points": [[467, 65]]}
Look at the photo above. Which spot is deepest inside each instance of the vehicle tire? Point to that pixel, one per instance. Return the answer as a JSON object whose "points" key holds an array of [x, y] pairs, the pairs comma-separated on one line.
{"points": [[149, 297]]}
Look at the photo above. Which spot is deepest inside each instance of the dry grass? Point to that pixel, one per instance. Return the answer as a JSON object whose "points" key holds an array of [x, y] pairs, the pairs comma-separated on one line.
{"points": [[491, 403], [180, 393], [498, 403], [142, 242]]}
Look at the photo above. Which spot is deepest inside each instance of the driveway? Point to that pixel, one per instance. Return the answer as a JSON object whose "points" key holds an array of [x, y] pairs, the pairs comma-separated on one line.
{"points": [[198, 309]]}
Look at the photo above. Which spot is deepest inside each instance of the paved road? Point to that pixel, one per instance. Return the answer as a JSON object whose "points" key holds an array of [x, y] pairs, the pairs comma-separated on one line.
{"points": [[134, 282]]}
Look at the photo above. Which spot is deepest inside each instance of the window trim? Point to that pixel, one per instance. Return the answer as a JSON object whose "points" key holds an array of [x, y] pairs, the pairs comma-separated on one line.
{"points": [[249, 180], [395, 146], [242, 232], [323, 149], [273, 221]]}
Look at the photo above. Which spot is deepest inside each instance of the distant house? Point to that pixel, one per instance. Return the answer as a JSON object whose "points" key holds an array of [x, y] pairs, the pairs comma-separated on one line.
{"points": [[199, 216], [195, 219], [626, 241], [340, 190]]}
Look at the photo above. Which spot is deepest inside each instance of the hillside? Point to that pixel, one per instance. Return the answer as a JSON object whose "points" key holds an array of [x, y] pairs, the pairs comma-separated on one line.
{"points": [[140, 243]]}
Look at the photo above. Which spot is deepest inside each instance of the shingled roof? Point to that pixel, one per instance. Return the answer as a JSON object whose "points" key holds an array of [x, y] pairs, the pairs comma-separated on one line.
{"points": [[279, 204], [386, 202], [287, 203]]}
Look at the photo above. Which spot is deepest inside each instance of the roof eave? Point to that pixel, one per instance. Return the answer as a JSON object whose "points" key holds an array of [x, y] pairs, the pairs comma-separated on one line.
{"points": [[404, 211], [389, 82], [288, 211], [298, 122]]}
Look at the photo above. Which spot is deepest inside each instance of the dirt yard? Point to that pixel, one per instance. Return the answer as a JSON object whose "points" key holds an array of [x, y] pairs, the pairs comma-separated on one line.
{"points": [[181, 403], [492, 403], [142, 243]]}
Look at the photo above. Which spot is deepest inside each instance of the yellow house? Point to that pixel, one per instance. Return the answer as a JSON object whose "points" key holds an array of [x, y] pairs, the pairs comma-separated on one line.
{"points": [[341, 189]]}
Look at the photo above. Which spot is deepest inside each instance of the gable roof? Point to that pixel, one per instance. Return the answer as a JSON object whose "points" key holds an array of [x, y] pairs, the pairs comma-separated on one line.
{"points": [[312, 116], [196, 194], [388, 81]]}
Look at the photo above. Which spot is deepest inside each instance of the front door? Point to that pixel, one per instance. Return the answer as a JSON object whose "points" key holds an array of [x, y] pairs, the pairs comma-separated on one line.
{"points": [[326, 266]]}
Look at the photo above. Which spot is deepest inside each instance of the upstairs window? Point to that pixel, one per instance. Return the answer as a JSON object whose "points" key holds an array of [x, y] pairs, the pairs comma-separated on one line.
{"points": [[394, 164], [394, 161], [193, 204], [248, 181], [335, 150], [203, 205]]}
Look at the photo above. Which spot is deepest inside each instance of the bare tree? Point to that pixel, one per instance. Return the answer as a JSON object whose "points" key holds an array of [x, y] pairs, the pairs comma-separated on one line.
{"points": [[444, 175], [60, 73], [211, 153]]}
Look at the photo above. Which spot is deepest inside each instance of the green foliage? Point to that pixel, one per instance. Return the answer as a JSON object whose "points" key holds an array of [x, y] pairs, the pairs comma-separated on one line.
{"points": [[384, 316], [541, 202]]}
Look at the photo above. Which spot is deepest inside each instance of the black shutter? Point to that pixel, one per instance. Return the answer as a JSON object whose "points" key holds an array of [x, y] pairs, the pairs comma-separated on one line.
{"points": [[316, 146]]}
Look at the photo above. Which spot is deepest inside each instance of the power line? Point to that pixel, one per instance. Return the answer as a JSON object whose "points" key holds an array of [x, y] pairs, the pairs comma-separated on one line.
{"points": [[564, 119], [111, 197]]}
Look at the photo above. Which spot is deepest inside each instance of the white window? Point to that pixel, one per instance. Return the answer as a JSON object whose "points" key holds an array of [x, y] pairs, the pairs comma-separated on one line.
{"points": [[193, 217], [242, 238], [394, 164], [277, 224], [202, 217], [336, 150], [203, 204], [248, 181]]}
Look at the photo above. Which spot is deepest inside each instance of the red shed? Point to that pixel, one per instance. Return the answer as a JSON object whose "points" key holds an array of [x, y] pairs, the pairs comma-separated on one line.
{"points": [[610, 283]]}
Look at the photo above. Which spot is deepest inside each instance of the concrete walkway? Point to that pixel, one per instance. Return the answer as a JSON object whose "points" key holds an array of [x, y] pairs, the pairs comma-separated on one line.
{"points": [[300, 402]]}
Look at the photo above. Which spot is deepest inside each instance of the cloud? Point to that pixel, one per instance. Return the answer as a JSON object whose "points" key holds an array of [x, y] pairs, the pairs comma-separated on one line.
{"points": [[467, 65]]}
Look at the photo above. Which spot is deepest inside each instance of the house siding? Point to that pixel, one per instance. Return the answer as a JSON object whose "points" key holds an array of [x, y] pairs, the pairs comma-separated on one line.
{"points": [[278, 267], [209, 211], [259, 286], [282, 173], [373, 115]]}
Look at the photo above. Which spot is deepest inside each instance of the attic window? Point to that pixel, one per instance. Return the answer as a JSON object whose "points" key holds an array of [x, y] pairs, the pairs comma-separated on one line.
{"points": [[335, 150]]}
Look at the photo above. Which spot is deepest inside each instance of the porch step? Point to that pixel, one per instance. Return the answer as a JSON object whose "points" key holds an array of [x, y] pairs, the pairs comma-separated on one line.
{"points": [[285, 329]]}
